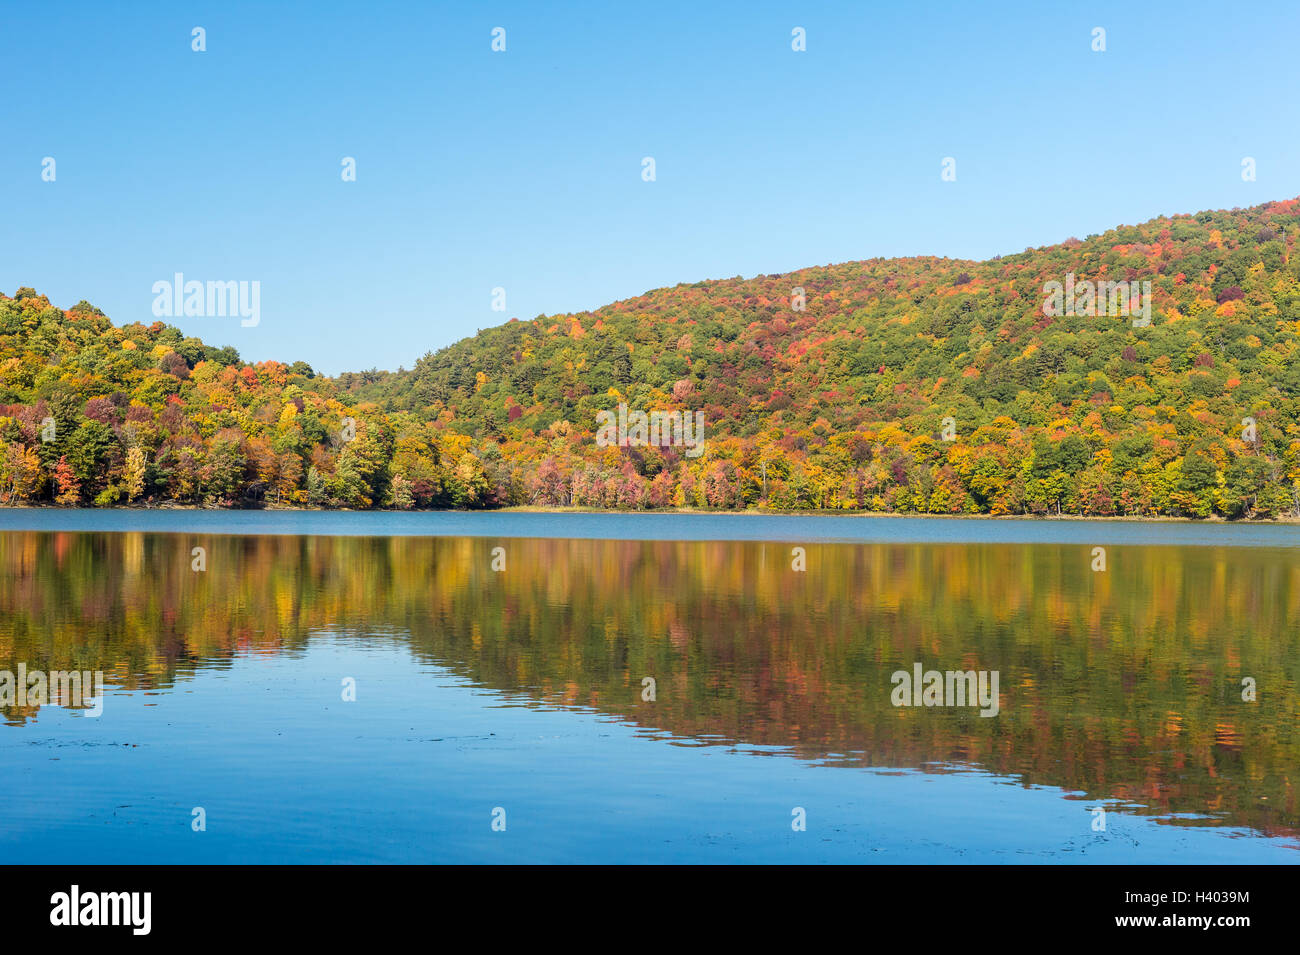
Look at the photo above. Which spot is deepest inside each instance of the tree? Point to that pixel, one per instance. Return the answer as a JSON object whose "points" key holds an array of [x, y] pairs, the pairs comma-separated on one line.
{"points": [[67, 487], [135, 468], [21, 476], [1247, 478], [401, 495], [470, 484]]}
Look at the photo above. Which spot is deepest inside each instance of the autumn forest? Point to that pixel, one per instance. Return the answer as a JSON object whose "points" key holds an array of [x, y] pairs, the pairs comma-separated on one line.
{"points": [[918, 385]]}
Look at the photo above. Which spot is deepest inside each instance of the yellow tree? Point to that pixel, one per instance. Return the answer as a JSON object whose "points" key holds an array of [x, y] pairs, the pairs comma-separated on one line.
{"points": [[135, 465]]}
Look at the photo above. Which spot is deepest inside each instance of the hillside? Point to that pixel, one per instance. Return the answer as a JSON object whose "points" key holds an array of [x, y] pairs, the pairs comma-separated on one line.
{"points": [[833, 397]]}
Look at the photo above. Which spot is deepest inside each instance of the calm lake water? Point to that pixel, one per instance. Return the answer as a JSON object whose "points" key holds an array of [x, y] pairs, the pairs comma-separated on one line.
{"points": [[521, 689]]}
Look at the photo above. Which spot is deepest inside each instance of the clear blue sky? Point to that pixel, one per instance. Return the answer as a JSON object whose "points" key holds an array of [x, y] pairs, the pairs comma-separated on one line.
{"points": [[523, 169]]}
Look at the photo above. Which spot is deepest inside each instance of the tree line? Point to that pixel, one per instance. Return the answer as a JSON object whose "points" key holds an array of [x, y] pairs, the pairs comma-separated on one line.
{"points": [[919, 385]]}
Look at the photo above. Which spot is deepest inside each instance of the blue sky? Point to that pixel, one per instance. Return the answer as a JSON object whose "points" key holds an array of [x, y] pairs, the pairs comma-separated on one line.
{"points": [[522, 169]]}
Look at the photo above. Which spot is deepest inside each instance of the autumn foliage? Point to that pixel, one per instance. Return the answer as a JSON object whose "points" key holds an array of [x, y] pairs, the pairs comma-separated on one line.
{"points": [[825, 388]]}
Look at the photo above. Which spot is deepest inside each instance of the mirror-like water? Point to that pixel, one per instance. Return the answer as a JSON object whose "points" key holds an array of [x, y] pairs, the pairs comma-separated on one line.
{"points": [[524, 689]]}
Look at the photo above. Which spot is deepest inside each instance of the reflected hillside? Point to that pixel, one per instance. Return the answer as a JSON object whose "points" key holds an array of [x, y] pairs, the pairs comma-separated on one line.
{"points": [[1120, 685]]}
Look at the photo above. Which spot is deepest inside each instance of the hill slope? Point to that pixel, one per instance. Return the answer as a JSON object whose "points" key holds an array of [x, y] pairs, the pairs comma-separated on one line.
{"points": [[913, 385]]}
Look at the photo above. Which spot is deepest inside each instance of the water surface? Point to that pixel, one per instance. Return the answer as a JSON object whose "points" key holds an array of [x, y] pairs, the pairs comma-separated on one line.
{"points": [[522, 689], [657, 526]]}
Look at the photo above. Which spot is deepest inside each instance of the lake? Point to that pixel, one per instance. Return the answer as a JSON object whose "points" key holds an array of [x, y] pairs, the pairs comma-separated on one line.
{"points": [[555, 687]]}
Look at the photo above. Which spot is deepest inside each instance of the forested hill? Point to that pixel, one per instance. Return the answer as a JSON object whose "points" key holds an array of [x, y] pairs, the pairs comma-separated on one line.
{"points": [[913, 385]]}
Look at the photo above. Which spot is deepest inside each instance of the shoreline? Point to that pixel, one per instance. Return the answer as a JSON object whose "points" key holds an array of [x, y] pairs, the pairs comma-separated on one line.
{"points": [[664, 512]]}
